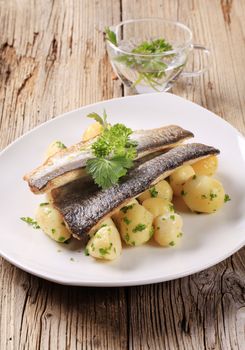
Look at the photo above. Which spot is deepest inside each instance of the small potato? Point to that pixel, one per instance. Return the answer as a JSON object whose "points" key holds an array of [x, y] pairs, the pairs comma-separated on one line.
{"points": [[106, 243], [53, 148], [179, 177], [206, 166], [116, 217], [203, 194], [136, 224], [161, 190], [51, 222], [158, 206], [168, 229], [92, 131]]}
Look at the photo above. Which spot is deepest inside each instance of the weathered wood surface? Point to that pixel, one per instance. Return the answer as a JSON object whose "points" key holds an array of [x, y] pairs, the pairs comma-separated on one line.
{"points": [[52, 59]]}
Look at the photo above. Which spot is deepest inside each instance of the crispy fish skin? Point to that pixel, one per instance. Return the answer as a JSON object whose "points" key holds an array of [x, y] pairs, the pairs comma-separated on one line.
{"points": [[68, 165], [84, 206]]}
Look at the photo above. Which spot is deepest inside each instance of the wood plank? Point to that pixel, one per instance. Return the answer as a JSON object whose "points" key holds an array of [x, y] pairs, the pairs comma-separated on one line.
{"points": [[53, 59], [206, 310]]}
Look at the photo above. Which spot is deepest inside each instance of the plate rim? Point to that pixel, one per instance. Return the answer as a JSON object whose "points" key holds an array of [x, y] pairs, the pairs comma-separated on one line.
{"points": [[130, 282]]}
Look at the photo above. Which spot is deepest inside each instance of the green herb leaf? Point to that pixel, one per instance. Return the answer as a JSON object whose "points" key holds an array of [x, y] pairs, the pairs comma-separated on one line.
{"points": [[30, 222], [139, 228], [111, 36], [60, 145], [43, 204], [86, 252], [126, 208], [153, 192], [114, 154], [172, 243], [227, 198], [99, 119], [126, 220]]}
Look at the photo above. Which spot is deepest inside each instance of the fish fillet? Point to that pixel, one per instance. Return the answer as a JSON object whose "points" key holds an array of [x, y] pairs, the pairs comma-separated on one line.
{"points": [[83, 205], [69, 164]]}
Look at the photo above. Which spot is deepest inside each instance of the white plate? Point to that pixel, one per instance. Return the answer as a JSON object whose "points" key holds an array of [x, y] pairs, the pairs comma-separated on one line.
{"points": [[207, 239]]}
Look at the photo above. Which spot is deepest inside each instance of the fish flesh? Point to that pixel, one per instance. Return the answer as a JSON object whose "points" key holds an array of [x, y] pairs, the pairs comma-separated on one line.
{"points": [[83, 205], [69, 164]]}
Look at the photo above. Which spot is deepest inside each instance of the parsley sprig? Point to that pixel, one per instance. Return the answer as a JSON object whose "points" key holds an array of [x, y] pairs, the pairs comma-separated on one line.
{"points": [[149, 69], [113, 152]]}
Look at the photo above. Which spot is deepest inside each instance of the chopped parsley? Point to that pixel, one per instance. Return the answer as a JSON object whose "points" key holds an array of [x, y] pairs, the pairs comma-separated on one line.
{"points": [[183, 193], [43, 204], [180, 234], [172, 217], [61, 239], [114, 153], [60, 144], [163, 219], [126, 208], [104, 251], [133, 243], [153, 192], [212, 195], [171, 207], [53, 231], [86, 252], [126, 220], [172, 243], [30, 222], [227, 198], [139, 228]]}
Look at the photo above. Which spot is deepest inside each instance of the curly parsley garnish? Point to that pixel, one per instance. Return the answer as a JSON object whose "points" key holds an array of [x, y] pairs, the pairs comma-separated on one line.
{"points": [[30, 222], [113, 152]]}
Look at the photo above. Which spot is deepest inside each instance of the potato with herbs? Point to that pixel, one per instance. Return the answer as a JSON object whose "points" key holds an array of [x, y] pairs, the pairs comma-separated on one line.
{"points": [[161, 190], [203, 194], [106, 242], [178, 178], [135, 224], [116, 217], [51, 222], [158, 206], [206, 166], [92, 131], [53, 148], [168, 229]]}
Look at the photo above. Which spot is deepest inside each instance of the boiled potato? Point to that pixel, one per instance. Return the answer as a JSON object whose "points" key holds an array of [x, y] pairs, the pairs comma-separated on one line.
{"points": [[168, 229], [203, 194], [206, 166], [161, 190], [135, 224], [179, 177], [158, 206], [51, 222], [106, 243], [53, 148], [92, 131], [116, 217]]}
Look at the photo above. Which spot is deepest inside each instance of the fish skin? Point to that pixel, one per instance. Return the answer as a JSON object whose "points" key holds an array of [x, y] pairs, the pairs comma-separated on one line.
{"points": [[83, 206], [68, 164]]}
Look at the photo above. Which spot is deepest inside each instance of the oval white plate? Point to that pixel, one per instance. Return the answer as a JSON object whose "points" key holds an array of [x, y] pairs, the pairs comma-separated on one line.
{"points": [[207, 239]]}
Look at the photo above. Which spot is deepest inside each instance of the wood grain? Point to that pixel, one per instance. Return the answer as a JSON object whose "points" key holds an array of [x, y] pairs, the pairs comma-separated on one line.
{"points": [[53, 59]]}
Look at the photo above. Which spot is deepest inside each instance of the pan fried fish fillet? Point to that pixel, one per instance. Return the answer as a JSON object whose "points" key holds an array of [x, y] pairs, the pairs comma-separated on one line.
{"points": [[83, 205], [69, 164]]}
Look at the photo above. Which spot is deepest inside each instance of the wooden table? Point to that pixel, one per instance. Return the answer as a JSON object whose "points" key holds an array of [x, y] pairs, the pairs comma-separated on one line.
{"points": [[52, 60]]}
